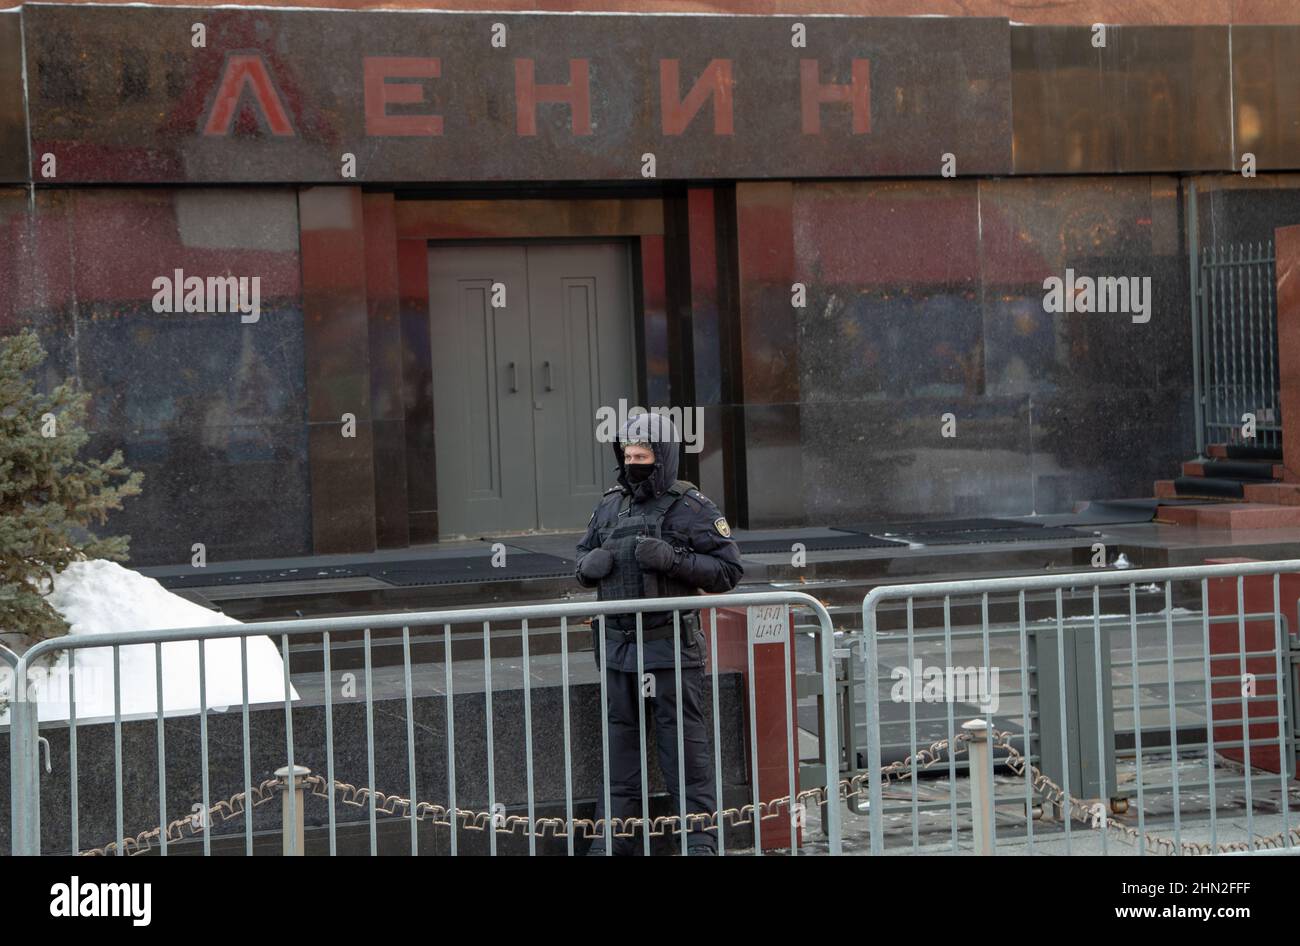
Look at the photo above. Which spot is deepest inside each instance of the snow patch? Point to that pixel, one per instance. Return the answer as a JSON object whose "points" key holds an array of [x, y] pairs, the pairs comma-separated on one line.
{"points": [[102, 597]]}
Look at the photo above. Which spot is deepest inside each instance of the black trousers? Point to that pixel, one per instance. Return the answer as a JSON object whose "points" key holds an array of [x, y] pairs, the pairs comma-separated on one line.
{"points": [[624, 689]]}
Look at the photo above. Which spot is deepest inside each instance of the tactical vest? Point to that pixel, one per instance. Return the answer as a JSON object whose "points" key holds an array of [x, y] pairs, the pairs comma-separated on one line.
{"points": [[628, 579]]}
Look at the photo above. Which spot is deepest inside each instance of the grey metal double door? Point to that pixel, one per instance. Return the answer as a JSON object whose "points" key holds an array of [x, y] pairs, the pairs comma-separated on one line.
{"points": [[529, 341]]}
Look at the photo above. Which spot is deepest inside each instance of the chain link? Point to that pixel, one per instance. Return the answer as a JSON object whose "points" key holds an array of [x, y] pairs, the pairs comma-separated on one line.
{"points": [[855, 786]]}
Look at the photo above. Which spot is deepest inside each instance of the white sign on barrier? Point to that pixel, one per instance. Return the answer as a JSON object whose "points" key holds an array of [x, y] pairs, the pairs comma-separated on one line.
{"points": [[767, 624]]}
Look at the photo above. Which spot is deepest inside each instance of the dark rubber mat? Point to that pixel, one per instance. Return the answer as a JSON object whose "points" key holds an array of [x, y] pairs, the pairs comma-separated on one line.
{"points": [[1110, 512], [1243, 452], [1238, 469], [1209, 486], [518, 565], [981, 537], [933, 526], [201, 578], [821, 543]]}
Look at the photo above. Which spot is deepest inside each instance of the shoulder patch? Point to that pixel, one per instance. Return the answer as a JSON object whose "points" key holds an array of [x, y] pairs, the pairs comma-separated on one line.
{"points": [[720, 524]]}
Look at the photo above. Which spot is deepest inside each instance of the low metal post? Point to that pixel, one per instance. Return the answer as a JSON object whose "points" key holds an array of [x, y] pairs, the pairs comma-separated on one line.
{"points": [[24, 768], [981, 762], [292, 820]]}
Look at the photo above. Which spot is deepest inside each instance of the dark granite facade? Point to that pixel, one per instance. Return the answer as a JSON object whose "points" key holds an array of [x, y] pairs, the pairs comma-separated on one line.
{"points": [[943, 314], [210, 408], [924, 294], [282, 95], [13, 118], [1148, 100]]}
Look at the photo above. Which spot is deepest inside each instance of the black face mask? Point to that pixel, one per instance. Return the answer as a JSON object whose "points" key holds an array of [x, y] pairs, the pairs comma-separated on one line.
{"points": [[638, 472]]}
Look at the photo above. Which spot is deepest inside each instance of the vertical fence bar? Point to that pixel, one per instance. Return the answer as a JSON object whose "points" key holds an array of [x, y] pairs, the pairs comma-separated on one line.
{"points": [[528, 741], [952, 735], [1024, 717], [1209, 711], [410, 736], [1103, 789], [640, 706], [787, 672], [753, 742], [1137, 715], [717, 731], [1234, 312], [159, 747], [292, 796], [1257, 338], [1283, 767], [831, 729], [1213, 348], [1173, 712], [370, 742], [681, 739], [1245, 708], [1222, 349], [72, 755], [992, 788], [871, 658], [117, 749], [203, 730], [248, 765], [1273, 366], [911, 727], [568, 749], [604, 734], [1067, 813], [1193, 268], [491, 755], [1243, 320], [453, 816], [329, 739]]}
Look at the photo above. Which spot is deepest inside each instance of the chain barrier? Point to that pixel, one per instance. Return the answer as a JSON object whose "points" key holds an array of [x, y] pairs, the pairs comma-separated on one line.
{"points": [[855, 786]]}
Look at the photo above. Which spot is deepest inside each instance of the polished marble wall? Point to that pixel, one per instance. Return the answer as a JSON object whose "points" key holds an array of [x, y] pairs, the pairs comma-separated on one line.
{"points": [[210, 408], [925, 299]]}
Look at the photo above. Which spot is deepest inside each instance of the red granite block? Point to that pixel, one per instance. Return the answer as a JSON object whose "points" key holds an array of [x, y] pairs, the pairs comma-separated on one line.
{"points": [[1281, 494], [1233, 516]]}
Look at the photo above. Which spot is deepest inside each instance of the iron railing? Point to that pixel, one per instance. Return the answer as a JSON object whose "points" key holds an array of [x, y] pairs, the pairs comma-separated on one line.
{"points": [[1182, 685], [422, 800]]}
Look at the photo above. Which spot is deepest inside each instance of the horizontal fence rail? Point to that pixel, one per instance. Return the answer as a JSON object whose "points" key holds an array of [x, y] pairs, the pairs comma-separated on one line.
{"points": [[388, 733], [1105, 717]]}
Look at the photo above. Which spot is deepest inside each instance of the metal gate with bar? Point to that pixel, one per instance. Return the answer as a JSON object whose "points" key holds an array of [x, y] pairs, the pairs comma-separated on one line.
{"points": [[1234, 341]]}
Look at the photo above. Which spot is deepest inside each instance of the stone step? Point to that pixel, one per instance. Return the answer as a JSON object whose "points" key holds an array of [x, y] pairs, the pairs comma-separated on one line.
{"points": [[1236, 451], [1199, 486], [1234, 469], [1235, 516], [1283, 494]]}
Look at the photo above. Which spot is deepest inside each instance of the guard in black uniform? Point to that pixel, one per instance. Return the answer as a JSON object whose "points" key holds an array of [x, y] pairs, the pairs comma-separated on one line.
{"points": [[655, 536]]}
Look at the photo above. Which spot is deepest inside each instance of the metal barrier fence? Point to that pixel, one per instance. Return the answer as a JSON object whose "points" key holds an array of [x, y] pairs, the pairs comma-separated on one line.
{"points": [[1147, 724], [1234, 313], [424, 802]]}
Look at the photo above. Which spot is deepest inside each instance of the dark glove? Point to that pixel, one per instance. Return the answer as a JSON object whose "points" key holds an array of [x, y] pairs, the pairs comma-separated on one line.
{"points": [[655, 555], [596, 564]]}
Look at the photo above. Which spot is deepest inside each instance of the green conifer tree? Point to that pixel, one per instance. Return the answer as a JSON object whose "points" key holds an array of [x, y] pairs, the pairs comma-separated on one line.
{"points": [[49, 497]]}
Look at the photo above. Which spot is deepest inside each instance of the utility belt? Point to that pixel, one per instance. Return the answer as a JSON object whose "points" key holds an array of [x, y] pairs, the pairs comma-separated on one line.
{"points": [[689, 623]]}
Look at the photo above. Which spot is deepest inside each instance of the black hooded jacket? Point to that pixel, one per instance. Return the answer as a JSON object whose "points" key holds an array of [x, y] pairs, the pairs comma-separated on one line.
{"points": [[710, 559]]}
